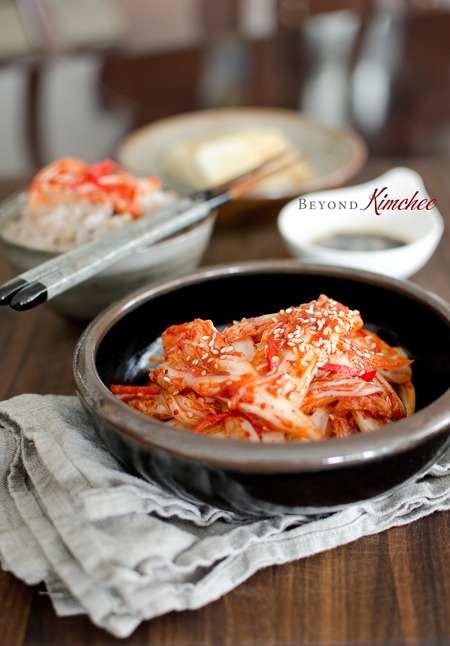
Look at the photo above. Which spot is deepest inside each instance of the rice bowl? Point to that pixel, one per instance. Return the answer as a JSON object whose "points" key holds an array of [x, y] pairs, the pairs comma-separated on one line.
{"points": [[177, 254]]}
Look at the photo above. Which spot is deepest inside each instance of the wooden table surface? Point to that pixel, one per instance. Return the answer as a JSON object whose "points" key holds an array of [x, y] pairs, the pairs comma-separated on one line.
{"points": [[390, 588]]}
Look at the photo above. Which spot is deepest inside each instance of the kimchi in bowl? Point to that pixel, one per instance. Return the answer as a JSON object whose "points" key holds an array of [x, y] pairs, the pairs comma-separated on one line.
{"points": [[257, 478]]}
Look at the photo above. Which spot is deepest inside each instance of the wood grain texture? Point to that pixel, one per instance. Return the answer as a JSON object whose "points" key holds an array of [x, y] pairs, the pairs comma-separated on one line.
{"points": [[390, 588]]}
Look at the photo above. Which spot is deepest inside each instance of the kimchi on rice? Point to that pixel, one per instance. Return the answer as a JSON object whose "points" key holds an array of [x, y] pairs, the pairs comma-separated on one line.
{"points": [[70, 203], [305, 373]]}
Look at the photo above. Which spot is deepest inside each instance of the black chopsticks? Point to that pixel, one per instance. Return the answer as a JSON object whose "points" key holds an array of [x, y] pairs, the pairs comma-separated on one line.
{"points": [[66, 270]]}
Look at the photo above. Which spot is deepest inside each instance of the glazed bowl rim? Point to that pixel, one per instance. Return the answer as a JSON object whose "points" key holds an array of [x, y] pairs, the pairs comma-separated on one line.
{"points": [[235, 455]]}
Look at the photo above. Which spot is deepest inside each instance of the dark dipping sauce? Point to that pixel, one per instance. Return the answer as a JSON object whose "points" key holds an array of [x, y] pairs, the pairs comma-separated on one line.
{"points": [[359, 242]]}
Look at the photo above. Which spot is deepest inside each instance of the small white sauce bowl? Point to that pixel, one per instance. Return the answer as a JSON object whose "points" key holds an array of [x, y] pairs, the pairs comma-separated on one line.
{"points": [[395, 205]]}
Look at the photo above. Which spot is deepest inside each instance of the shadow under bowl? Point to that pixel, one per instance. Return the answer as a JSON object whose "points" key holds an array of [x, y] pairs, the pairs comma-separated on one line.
{"points": [[268, 479]]}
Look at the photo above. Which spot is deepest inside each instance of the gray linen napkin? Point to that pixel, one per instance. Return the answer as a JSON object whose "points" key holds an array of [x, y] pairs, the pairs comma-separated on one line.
{"points": [[111, 545]]}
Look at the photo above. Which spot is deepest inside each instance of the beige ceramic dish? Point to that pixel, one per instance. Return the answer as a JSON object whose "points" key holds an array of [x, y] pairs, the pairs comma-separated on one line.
{"points": [[334, 155], [180, 253]]}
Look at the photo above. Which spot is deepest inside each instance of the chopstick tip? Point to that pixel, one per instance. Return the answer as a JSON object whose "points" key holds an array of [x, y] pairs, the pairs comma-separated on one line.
{"points": [[30, 296], [10, 289]]}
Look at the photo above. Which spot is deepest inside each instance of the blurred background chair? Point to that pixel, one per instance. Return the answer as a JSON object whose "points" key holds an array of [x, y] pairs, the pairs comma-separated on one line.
{"points": [[78, 76], [46, 85]]}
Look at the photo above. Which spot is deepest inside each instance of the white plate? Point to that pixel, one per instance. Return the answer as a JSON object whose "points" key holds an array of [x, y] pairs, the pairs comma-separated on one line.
{"points": [[334, 155]]}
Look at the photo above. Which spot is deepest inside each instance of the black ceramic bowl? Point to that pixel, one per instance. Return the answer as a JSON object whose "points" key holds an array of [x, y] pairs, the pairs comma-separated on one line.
{"points": [[266, 479]]}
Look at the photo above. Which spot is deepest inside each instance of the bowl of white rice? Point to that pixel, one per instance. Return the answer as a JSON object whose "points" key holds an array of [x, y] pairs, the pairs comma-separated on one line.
{"points": [[31, 234]]}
